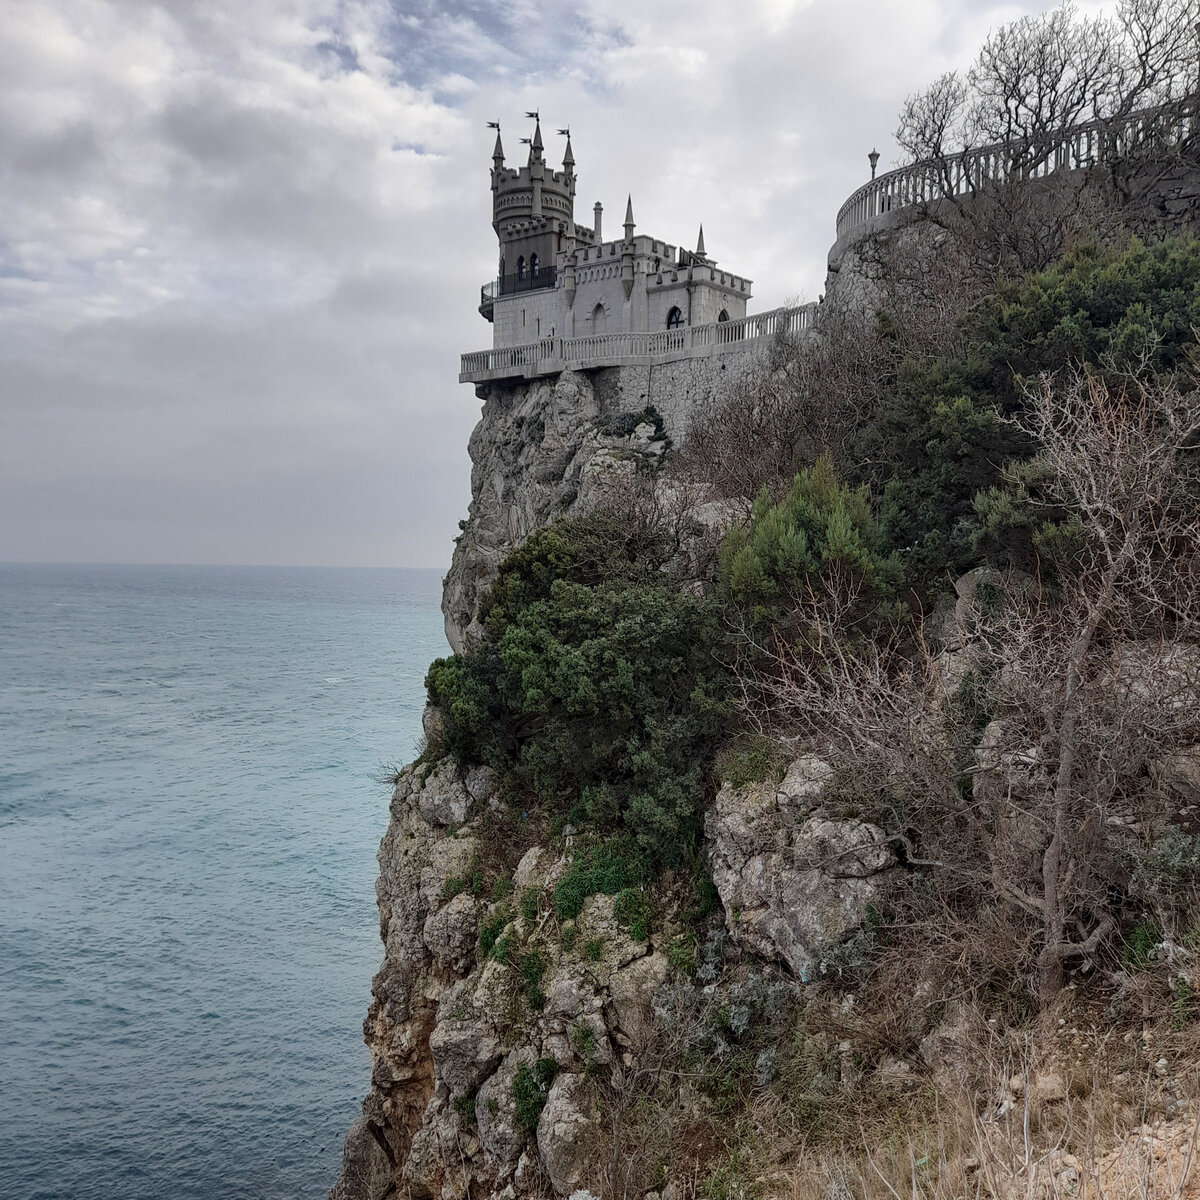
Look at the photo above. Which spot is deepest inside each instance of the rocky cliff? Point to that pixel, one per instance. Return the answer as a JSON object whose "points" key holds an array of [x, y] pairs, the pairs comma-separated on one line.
{"points": [[506, 1043]]}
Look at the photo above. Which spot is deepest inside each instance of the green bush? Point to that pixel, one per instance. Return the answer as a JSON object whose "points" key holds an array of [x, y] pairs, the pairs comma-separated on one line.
{"points": [[529, 903], [603, 869], [597, 690], [821, 530], [632, 909], [938, 445], [533, 967], [490, 929], [1113, 307], [530, 1087]]}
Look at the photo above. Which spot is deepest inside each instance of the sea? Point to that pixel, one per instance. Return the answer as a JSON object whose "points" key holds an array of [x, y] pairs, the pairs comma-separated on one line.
{"points": [[193, 767]]}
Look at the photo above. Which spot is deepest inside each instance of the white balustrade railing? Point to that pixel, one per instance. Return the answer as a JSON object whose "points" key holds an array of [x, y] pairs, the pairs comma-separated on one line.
{"points": [[556, 354], [969, 170]]}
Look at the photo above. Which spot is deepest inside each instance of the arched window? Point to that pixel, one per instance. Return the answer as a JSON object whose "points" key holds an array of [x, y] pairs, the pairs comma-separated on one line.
{"points": [[674, 318], [502, 268], [521, 267], [722, 316], [533, 266], [599, 319]]}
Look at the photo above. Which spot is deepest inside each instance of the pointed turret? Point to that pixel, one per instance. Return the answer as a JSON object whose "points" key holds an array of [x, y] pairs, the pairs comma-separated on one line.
{"points": [[498, 152], [700, 243], [569, 157], [535, 147], [629, 225]]}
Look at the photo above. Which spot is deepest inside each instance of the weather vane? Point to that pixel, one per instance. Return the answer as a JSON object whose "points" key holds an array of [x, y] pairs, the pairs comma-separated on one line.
{"points": [[535, 115], [565, 132], [494, 125]]}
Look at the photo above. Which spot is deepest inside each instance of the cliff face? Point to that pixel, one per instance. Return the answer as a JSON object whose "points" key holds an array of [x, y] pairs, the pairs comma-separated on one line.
{"points": [[554, 447], [503, 1039]]}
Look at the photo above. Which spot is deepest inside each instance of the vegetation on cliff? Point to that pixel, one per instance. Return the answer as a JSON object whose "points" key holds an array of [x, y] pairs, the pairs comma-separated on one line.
{"points": [[926, 704]]}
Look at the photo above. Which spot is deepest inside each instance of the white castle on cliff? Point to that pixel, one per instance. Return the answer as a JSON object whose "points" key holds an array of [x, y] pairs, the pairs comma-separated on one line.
{"points": [[557, 278], [566, 298]]}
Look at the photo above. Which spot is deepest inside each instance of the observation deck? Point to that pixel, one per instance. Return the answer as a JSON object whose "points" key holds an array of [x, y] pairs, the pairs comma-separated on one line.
{"points": [[549, 356], [879, 203]]}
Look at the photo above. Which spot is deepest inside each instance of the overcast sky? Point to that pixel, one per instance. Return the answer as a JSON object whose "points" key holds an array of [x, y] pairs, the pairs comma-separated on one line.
{"points": [[241, 241]]}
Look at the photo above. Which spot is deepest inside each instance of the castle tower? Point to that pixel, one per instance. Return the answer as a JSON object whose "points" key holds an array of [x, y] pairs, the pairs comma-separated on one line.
{"points": [[533, 213]]}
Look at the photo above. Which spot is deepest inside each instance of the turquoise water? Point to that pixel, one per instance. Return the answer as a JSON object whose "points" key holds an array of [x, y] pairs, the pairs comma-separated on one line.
{"points": [[189, 814]]}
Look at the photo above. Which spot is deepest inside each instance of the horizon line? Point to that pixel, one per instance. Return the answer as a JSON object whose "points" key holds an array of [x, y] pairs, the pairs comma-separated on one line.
{"points": [[15, 562]]}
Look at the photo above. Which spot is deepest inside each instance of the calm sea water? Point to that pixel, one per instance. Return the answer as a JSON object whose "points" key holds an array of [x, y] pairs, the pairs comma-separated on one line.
{"points": [[189, 814]]}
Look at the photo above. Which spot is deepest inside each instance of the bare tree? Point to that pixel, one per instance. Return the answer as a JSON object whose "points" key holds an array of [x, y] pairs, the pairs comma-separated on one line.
{"points": [[1086, 690], [805, 398], [1003, 177]]}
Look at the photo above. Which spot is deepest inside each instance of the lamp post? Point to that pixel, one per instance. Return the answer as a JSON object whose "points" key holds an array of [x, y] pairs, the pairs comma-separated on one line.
{"points": [[874, 156]]}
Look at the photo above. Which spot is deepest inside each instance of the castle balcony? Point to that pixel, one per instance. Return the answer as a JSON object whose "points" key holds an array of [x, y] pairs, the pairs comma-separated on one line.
{"points": [[593, 351], [510, 285]]}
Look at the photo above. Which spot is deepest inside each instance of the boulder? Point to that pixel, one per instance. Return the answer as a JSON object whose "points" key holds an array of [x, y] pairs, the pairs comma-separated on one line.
{"points": [[792, 882], [567, 1131], [632, 991], [450, 933], [500, 1132], [443, 798]]}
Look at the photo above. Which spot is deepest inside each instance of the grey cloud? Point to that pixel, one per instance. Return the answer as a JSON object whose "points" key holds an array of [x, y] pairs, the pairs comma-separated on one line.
{"points": [[241, 243]]}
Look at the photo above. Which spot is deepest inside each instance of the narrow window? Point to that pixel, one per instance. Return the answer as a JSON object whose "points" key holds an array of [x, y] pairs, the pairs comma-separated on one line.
{"points": [[521, 267], [533, 266]]}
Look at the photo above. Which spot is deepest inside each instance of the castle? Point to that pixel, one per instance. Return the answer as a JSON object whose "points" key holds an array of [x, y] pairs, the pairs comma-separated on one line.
{"points": [[565, 297], [557, 278]]}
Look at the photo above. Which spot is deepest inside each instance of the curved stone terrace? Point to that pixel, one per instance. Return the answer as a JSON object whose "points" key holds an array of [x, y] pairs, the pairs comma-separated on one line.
{"points": [[876, 204], [552, 355]]}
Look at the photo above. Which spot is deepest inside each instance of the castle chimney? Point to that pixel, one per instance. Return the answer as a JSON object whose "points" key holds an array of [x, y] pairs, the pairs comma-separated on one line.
{"points": [[598, 213]]}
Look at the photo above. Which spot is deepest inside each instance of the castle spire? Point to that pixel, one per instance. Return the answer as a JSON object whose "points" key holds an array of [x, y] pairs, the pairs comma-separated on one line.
{"points": [[535, 148], [498, 152], [569, 156], [700, 243], [629, 226]]}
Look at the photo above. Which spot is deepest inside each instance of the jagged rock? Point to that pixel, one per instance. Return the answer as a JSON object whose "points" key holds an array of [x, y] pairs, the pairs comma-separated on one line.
{"points": [[566, 1130], [632, 989], [551, 448], [464, 1043], [450, 933], [1181, 773], [365, 1167], [534, 869], [792, 882], [482, 784], [500, 1132], [433, 725], [443, 798]]}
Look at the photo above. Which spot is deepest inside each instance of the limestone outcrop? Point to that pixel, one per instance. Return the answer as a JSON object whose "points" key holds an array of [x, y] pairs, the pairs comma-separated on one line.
{"points": [[542, 450], [486, 1069], [793, 880], [496, 1029]]}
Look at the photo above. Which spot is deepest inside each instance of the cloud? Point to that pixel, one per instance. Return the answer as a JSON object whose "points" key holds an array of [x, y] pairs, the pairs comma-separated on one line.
{"points": [[241, 240]]}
